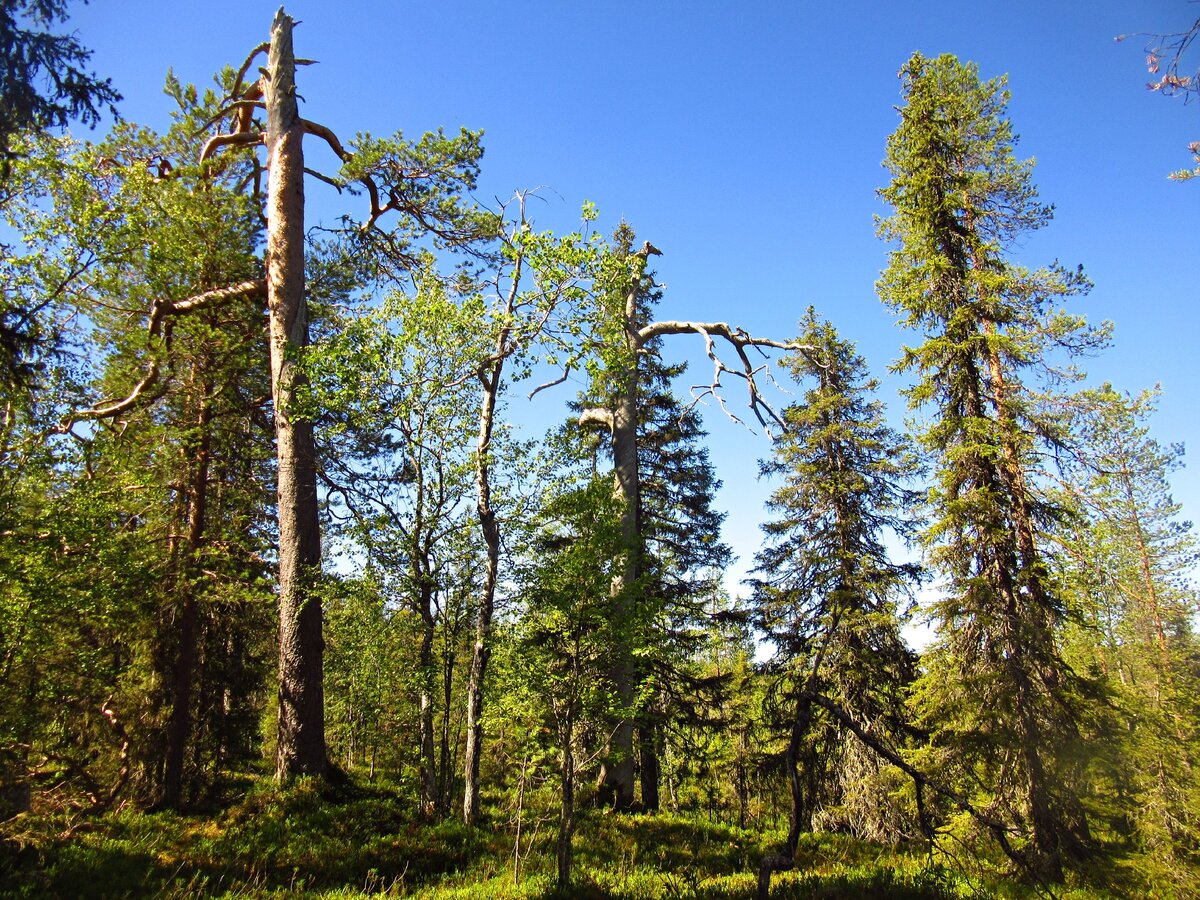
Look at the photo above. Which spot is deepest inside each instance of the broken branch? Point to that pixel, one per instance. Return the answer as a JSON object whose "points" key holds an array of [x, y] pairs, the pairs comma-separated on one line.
{"points": [[237, 138], [245, 67], [740, 340], [158, 312]]}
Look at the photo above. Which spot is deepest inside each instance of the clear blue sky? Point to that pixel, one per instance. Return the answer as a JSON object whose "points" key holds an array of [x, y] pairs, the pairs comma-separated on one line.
{"points": [[745, 140]]}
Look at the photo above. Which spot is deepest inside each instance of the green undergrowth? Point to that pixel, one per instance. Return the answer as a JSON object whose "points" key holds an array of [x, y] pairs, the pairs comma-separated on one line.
{"points": [[313, 841]]}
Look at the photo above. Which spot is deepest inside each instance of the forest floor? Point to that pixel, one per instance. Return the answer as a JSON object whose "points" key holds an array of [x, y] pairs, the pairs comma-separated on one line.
{"points": [[352, 841]]}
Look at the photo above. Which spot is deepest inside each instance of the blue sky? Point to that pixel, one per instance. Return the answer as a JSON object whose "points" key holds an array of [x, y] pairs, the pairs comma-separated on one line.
{"points": [[745, 140]]}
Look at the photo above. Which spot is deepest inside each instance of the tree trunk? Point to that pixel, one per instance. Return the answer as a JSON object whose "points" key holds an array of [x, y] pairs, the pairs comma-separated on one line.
{"points": [[650, 770], [443, 788], [566, 817], [301, 737], [428, 800], [617, 772], [179, 725], [487, 600]]}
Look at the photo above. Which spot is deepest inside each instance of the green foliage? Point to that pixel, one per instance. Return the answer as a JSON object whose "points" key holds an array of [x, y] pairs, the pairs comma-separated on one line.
{"points": [[1125, 561], [44, 84], [154, 520], [307, 841], [1002, 708], [826, 590]]}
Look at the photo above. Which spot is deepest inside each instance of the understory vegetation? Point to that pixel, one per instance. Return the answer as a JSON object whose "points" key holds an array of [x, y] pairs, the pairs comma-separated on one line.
{"points": [[355, 839]]}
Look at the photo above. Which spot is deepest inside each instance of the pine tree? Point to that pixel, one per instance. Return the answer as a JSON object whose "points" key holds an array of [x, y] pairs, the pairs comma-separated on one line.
{"points": [[1126, 558], [1003, 706]]}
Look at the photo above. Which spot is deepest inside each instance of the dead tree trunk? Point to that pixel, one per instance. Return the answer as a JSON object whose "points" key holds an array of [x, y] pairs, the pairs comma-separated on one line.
{"points": [[617, 772], [301, 736]]}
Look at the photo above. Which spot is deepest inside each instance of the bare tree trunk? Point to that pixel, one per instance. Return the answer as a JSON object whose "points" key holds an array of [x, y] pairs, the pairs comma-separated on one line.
{"points": [[617, 772], [487, 601], [301, 736]]}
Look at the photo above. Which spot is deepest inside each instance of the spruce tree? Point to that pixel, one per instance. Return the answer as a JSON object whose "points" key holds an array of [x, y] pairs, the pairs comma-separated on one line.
{"points": [[1004, 709], [826, 589], [683, 559], [677, 551]]}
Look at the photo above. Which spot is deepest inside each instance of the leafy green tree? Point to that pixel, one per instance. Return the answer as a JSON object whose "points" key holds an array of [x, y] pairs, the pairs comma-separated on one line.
{"points": [[109, 231], [1004, 709], [399, 469], [43, 85], [826, 590], [538, 284], [370, 665]]}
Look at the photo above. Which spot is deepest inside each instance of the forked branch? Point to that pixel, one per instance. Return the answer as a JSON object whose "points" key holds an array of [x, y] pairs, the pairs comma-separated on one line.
{"points": [[741, 341]]}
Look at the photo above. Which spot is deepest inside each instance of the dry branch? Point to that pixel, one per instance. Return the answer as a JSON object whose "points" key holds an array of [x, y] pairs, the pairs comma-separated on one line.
{"points": [[235, 139], [740, 340], [159, 312]]}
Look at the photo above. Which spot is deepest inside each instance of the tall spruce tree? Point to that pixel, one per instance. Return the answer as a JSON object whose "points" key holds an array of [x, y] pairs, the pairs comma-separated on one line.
{"points": [[826, 589], [1004, 709], [684, 558]]}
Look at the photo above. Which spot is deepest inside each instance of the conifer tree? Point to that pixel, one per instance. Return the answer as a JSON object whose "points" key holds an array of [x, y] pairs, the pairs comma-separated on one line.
{"points": [[679, 554], [1003, 706], [826, 591], [1126, 558]]}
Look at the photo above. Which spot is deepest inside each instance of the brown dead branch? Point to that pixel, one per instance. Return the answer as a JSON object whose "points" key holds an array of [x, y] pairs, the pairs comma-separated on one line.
{"points": [[234, 139], [159, 313], [245, 108], [240, 77]]}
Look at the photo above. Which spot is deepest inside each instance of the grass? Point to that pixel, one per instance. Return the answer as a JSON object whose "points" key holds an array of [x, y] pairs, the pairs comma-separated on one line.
{"points": [[309, 840]]}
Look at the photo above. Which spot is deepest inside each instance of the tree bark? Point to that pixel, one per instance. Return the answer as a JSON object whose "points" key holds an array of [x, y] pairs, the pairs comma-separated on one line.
{"points": [[566, 817], [179, 725], [617, 772], [301, 735], [650, 770], [490, 527], [428, 796]]}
